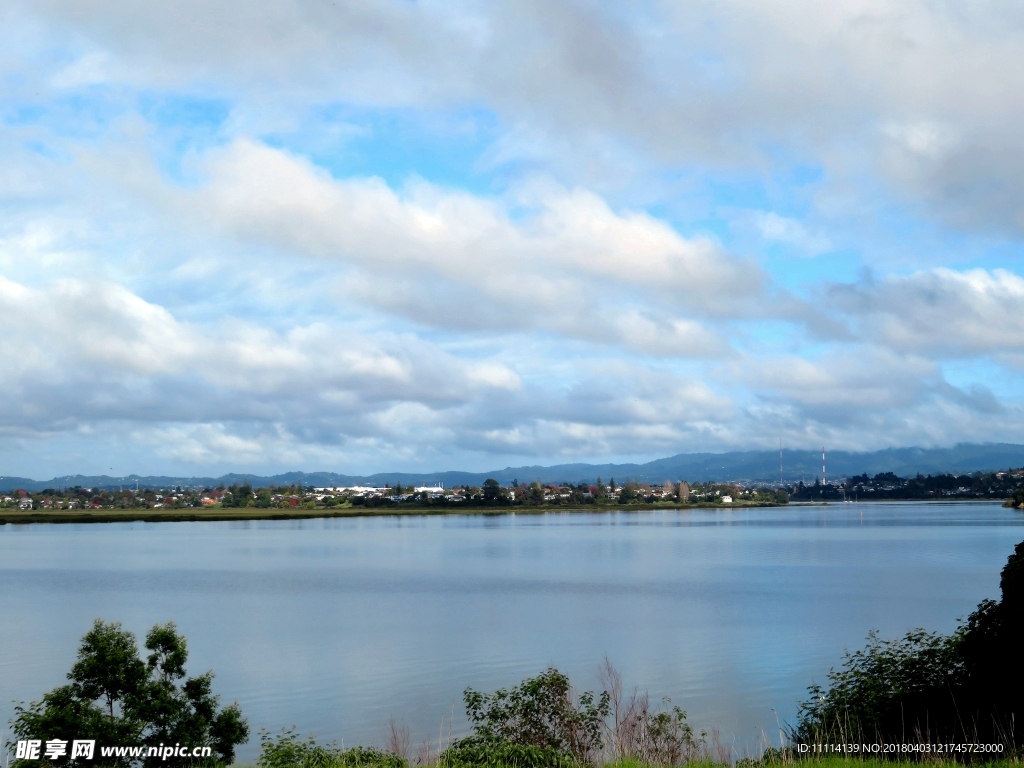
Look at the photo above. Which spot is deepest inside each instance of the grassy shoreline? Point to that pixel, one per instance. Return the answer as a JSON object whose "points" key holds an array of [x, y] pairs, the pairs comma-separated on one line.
{"points": [[15, 517], [226, 514], [872, 762]]}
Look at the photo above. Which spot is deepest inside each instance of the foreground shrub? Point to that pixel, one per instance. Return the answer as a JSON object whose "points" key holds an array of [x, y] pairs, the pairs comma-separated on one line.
{"points": [[475, 752], [659, 738], [885, 687], [537, 723], [286, 750]]}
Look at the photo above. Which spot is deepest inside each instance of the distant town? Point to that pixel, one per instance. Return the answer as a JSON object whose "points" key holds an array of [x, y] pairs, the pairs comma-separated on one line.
{"points": [[490, 493], [1006, 485]]}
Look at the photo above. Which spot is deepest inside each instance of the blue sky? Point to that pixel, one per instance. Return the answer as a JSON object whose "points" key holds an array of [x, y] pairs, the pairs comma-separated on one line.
{"points": [[359, 236]]}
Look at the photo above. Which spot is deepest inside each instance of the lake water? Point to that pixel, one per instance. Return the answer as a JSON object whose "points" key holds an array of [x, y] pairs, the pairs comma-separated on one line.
{"points": [[335, 626]]}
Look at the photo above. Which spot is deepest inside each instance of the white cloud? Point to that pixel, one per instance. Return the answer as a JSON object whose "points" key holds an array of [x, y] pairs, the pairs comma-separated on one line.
{"points": [[560, 268], [926, 139], [865, 397], [202, 444], [244, 304], [76, 343], [598, 91], [267, 194], [939, 312], [493, 374], [90, 69], [91, 357], [787, 230], [860, 379]]}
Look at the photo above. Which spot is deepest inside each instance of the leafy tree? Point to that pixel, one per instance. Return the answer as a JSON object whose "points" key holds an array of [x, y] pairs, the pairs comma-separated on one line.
{"points": [[116, 698], [536, 494], [627, 494], [492, 491], [108, 666], [246, 495], [241, 495]]}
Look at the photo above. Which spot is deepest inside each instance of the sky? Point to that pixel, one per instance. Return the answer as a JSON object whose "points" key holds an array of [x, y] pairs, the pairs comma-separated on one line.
{"points": [[359, 236]]}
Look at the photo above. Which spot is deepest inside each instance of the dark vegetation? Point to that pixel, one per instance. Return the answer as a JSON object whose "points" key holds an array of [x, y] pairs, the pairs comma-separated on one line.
{"points": [[887, 485], [287, 750], [931, 688]]}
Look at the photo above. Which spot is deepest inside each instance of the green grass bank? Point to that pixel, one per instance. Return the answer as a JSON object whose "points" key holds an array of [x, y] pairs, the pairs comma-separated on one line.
{"points": [[213, 513]]}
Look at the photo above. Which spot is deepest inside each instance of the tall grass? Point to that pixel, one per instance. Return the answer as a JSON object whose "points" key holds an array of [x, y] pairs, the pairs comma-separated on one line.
{"points": [[638, 733]]}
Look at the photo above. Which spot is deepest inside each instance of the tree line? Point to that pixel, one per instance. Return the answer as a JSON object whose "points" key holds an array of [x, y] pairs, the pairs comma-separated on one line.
{"points": [[887, 485]]}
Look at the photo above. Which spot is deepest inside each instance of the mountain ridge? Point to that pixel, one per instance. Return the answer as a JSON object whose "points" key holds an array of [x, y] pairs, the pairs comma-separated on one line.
{"points": [[750, 466]]}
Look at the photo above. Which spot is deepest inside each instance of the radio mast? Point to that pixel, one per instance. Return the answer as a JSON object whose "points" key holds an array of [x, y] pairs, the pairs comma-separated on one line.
{"points": [[823, 465]]}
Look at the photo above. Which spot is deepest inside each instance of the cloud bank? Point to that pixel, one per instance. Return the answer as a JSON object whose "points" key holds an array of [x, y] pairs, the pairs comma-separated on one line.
{"points": [[423, 235]]}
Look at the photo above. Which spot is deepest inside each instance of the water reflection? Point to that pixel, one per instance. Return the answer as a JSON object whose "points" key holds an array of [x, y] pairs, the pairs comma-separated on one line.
{"points": [[335, 625]]}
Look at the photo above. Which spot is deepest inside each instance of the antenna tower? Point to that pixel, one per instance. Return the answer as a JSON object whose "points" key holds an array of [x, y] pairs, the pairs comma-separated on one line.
{"points": [[780, 461], [823, 465]]}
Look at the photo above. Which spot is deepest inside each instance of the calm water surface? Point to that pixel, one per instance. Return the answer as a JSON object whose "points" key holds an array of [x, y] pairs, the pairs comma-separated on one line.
{"points": [[334, 626]]}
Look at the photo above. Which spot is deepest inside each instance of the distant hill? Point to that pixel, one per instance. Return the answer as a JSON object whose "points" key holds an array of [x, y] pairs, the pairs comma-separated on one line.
{"points": [[736, 465]]}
